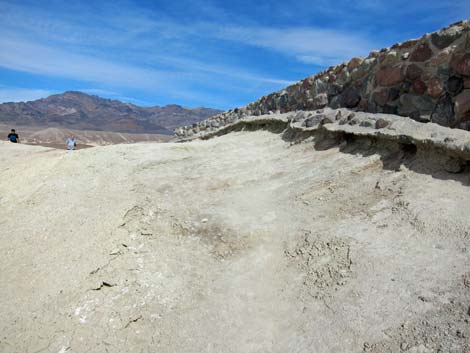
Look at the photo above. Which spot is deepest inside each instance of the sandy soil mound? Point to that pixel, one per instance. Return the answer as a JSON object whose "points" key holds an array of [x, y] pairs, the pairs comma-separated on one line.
{"points": [[242, 243]]}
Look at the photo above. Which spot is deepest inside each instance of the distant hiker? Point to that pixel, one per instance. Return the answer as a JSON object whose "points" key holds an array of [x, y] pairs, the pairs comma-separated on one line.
{"points": [[71, 143], [13, 136]]}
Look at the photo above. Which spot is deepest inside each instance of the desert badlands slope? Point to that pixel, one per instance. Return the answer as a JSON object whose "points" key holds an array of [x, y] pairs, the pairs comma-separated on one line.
{"points": [[252, 241]]}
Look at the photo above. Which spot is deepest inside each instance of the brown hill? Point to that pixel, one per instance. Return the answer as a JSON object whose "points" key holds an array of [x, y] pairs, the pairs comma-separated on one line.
{"points": [[80, 111]]}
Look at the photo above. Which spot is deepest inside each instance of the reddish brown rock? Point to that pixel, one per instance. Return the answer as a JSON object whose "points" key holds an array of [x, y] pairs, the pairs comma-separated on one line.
{"points": [[418, 86], [461, 63], [381, 97], [413, 72], [355, 63], [389, 76], [421, 53], [435, 87], [462, 105]]}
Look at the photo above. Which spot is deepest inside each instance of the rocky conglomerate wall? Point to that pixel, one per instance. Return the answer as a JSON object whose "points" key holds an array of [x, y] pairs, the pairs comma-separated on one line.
{"points": [[426, 79]]}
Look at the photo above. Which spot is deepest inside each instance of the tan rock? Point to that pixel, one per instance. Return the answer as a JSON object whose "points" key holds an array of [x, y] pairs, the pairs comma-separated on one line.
{"points": [[355, 63]]}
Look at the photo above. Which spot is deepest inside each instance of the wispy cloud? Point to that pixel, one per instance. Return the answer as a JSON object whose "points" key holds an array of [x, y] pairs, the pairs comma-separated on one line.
{"points": [[146, 35], [310, 45], [14, 94], [238, 73], [23, 55]]}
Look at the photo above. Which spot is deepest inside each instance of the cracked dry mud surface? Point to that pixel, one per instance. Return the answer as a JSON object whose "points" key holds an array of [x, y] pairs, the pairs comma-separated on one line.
{"points": [[242, 243]]}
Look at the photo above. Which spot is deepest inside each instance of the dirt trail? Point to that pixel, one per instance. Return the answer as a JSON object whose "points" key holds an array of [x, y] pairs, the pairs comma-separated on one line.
{"points": [[242, 243]]}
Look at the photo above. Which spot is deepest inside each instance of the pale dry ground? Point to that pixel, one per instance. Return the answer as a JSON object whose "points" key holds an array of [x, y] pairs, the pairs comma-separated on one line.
{"points": [[55, 137], [242, 243]]}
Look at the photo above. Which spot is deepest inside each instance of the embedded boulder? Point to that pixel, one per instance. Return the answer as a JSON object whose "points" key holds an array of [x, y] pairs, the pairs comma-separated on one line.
{"points": [[443, 113], [460, 63], [351, 98], [454, 85], [422, 53], [389, 76]]}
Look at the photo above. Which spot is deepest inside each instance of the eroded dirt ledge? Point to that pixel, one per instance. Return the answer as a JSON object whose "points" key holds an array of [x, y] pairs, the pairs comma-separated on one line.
{"points": [[451, 147]]}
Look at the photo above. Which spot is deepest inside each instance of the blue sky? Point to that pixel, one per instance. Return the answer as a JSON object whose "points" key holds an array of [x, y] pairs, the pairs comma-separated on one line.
{"points": [[219, 54]]}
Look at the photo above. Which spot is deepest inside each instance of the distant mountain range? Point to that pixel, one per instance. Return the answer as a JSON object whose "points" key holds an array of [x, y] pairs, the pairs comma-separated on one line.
{"points": [[80, 111]]}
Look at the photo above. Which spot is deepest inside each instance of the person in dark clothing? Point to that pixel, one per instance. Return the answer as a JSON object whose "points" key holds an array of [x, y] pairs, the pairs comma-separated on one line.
{"points": [[13, 136]]}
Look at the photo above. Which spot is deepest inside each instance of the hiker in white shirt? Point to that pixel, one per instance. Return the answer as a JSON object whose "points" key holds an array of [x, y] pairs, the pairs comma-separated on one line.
{"points": [[71, 143]]}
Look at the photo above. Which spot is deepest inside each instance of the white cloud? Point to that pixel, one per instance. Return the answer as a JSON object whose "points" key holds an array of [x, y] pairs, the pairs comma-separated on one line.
{"points": [[22, 94]]}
